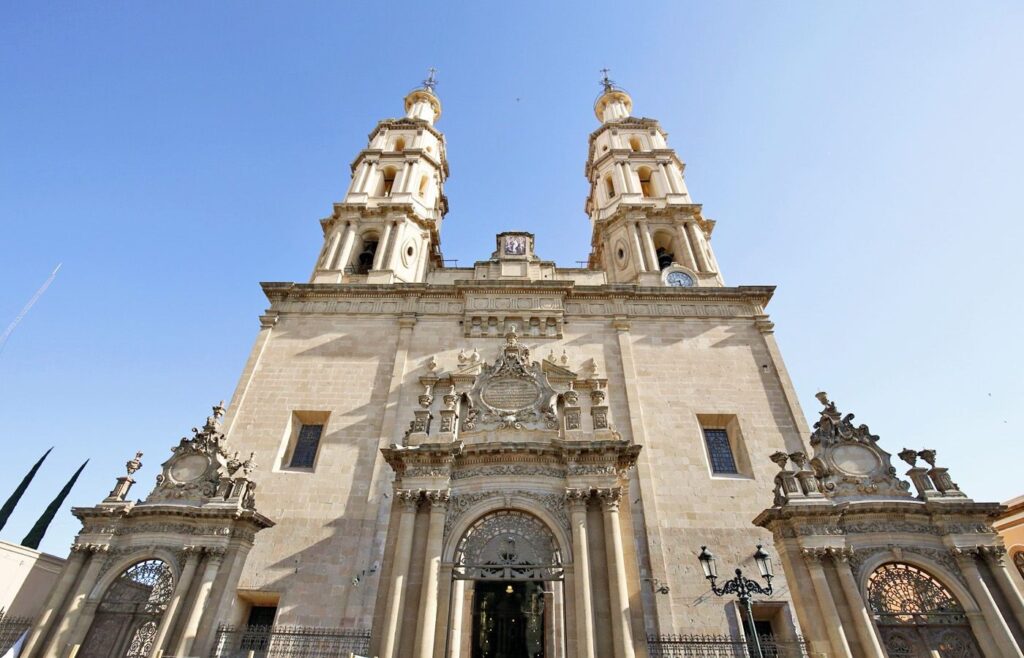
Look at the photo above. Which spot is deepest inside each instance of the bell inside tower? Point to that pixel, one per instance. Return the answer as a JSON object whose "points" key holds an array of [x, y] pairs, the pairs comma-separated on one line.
{"points": [[365, 261]]}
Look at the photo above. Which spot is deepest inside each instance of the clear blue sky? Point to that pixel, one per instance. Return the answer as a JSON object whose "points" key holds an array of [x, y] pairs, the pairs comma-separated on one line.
{"points": [[864, 157]]}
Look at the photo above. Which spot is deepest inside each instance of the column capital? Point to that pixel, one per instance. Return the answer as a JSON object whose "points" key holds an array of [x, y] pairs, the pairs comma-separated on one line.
{"points": [[215, 553], [966, 554], [409, 499], [993, 554], [577, 499], [840, 555], [610, 498], [814, 555], [438, 498]]}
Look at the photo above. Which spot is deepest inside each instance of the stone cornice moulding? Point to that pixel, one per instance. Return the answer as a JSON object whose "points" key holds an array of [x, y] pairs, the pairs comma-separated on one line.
{"points": [[288, 291]]}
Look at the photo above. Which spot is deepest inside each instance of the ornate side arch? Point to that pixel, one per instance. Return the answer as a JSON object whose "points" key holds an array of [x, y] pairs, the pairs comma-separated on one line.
{"points": [[917, 614], [119, 562], [128, 615]]}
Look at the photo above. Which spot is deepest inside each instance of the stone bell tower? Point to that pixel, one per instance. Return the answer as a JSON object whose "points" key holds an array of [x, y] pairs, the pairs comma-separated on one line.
{"points": [[387, 228], [646, 228]]}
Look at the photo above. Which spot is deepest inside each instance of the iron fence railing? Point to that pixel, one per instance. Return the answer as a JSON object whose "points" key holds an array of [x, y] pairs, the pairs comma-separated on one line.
{"points": [[12, 628], [723, 646], [290, 642]]}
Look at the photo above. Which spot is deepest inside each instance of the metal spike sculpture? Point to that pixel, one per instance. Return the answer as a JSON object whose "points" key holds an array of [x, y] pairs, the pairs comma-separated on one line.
{"points": [[12, 502], [35, 535]]}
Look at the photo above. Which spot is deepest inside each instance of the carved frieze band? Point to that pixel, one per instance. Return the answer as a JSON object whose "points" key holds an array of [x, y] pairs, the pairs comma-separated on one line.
{"points": [[528, 309]]}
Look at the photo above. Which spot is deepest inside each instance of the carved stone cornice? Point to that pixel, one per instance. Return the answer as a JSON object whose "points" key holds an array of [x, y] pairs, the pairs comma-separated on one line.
{"points": [[518, 301]]}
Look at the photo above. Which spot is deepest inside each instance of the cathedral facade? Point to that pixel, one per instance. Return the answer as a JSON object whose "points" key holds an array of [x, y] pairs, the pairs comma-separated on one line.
{"points": [[517, 458]]}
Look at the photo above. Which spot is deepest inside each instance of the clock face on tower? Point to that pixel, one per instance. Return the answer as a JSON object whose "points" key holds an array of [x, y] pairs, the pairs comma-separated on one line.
{"points": [[679, 279]]}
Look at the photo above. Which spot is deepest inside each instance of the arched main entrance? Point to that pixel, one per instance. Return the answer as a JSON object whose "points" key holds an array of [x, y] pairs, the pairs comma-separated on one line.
{"points": [[511, 561], [917, 616], [128, 616]]}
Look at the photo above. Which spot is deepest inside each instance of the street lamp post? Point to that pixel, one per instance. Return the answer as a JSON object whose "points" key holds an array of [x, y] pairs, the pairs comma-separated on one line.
{"points": [[741, 586]]}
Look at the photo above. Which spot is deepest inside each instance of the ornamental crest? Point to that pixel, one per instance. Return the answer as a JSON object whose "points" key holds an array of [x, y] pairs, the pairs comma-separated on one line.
{"points": [[847, 459], [513, 393], [201, 470]]}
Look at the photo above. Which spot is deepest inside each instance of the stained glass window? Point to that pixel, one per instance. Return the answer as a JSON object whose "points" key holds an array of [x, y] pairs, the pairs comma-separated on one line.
{"points": [[720, 451], [306, 446]]}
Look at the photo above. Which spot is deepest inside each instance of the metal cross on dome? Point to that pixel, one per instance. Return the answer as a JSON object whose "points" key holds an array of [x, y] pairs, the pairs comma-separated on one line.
{"points": [[607, 82], [431, 80]]}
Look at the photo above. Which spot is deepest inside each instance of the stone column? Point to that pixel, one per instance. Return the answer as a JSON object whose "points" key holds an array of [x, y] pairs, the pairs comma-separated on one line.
{"points": [[994, 557], [652, 253], [1001, 634], [862, 621], [325, 263], [667, 177], [685, 254], [72, 614], [627, 175], [698, 246], [622, 628], [407, 177], [345, 253], [455, 619], [79, 553], [409, 501], [431, 565], [584, 606], [641, 259], [621, 178], [363, 175], [192, 554], [382, 247], [826, 604], [195, 614]]}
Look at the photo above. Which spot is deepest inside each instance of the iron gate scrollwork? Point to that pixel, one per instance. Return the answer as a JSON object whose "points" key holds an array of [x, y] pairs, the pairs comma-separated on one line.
{"points": [[917, 615], [129, 615]]}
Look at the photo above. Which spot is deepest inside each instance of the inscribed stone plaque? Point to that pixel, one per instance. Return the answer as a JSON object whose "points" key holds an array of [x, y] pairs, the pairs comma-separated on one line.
{"points": [[510, 394]]}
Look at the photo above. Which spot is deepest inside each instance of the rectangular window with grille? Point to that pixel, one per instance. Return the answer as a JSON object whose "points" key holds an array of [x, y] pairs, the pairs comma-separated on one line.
{"points": [[720, 451], [306, 445]]}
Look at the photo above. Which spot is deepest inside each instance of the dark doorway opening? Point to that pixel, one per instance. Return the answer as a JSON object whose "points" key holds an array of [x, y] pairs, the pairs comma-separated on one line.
{"points": [[508, 619]]}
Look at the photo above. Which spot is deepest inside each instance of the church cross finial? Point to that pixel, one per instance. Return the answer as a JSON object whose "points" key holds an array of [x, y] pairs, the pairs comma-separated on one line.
{"points": [[607, 82], [431, 80]]}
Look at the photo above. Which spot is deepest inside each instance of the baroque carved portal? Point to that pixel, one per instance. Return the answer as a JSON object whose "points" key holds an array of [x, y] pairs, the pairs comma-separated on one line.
{"points": [[917, 615], [129, 614]]}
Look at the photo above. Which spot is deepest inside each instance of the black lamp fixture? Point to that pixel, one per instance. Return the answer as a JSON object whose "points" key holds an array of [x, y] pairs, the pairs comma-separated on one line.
{"points": [[742, 587]]}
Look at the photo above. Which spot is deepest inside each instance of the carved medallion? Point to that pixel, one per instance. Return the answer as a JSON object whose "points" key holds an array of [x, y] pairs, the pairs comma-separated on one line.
{"points": [[189, 468]]}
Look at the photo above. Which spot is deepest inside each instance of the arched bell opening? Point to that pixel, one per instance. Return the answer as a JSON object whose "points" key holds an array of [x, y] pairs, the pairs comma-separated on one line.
{"points": [[128, 617], [366, 253], [917, 615], [507, 592]]}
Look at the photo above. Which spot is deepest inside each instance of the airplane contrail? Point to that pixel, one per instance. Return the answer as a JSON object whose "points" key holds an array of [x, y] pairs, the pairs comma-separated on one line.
{"points": [[39, 293]]}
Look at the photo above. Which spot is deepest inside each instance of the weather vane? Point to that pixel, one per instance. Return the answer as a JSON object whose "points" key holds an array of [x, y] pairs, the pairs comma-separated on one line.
{"points": [[431, 80], [607, 82]]}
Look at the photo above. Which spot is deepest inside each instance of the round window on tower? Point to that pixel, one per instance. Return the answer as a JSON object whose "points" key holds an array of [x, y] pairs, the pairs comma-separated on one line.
{"points": [[621, 255], [408, 254]]}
